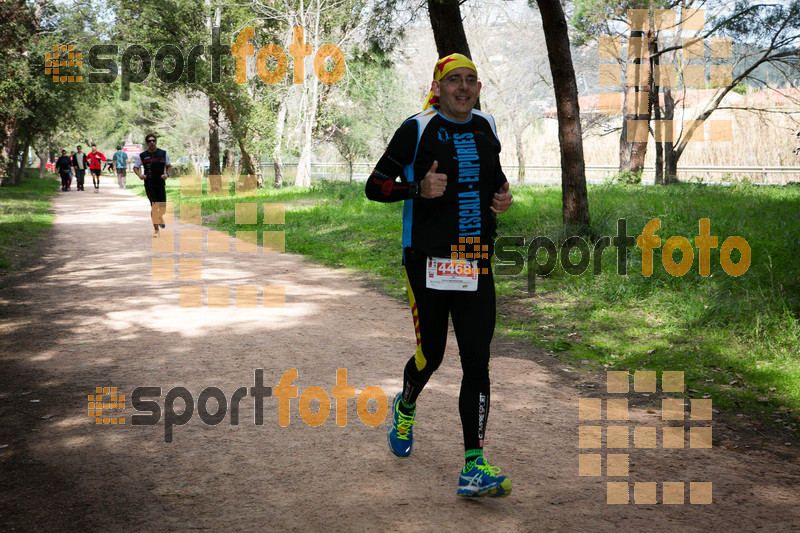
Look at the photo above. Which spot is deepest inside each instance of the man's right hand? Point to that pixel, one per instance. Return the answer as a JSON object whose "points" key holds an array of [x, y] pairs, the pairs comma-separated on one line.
{"points": [[434, 183]]}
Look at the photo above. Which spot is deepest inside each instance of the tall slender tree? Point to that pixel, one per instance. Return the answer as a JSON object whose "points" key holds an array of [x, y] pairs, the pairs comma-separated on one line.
{"points": [[574, 196], [448, 27]]}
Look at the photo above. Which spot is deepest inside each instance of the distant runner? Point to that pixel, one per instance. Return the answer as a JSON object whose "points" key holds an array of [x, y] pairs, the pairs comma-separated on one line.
{"points": [[120, 163], [156, 171], [63, 165], [96, 166], [79, 163]]}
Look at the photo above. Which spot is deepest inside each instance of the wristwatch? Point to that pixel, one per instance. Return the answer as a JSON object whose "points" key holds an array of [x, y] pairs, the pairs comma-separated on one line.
{"points": [[414, 189]]}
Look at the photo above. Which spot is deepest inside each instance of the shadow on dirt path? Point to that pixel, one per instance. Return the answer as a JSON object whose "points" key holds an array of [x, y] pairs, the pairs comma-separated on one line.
{"points": [[89, 314]]}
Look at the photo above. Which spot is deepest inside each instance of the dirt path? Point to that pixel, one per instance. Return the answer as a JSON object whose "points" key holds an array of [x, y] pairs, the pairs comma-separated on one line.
{"points": [[89, 314]]}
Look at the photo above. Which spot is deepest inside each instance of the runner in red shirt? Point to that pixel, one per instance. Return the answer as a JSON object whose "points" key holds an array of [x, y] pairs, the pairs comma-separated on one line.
{"points": [[96, 166]]}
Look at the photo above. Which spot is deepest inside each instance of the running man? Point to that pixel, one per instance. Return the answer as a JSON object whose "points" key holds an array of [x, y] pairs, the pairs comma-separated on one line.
{"points": [[96, 166], [79, 163], [156, 171], [120, 163], [447, 159], [62, 166]]}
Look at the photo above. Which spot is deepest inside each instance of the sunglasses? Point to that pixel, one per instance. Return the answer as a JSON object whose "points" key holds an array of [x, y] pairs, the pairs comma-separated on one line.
{"points": [[151, 141], [455, 79]]}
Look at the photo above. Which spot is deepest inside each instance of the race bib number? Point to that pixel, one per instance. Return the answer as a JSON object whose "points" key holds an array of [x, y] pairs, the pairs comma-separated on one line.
{"points": [[452, 274]]}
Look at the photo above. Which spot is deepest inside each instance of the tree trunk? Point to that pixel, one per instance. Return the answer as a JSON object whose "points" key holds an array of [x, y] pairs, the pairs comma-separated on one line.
{"points": [[42, 160], [448, 30], [42, 152], [632, 153], [277, 152], [670, 164], [448, 27], [518, 130], [670, 156], [654, 93], [213, 138], [240, 134], [277, 165], [22, 161], [54, 155], [308, 105], [245, 160], [303, 178], [213, 106], [659, 171], [259, 172], [575, 202], [8, 163], [23, 158]]}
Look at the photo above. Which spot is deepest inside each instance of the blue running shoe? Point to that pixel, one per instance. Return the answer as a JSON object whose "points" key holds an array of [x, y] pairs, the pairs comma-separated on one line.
{"points": [[482, 480], [401, 439]]}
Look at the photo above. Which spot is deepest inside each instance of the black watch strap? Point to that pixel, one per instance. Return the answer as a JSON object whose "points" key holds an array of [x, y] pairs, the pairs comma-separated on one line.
{"points": [[414, 189]]}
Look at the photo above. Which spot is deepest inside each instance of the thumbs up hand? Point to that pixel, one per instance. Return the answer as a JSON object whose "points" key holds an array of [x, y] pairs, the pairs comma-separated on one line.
{"points": [[433, 184], [502, 200]]}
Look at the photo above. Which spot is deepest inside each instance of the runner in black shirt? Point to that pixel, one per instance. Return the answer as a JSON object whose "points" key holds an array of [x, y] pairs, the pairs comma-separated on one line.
{"points": [[156, 165], [63, 166], [447, 159]]}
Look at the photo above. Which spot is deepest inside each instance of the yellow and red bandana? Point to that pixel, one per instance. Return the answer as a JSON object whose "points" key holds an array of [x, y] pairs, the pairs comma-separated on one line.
{"points": [[443, 66]]}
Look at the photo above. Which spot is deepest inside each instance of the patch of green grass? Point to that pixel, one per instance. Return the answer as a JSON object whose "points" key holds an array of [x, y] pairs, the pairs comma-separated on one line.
{"points": [[25, 216], [737, 339]]}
